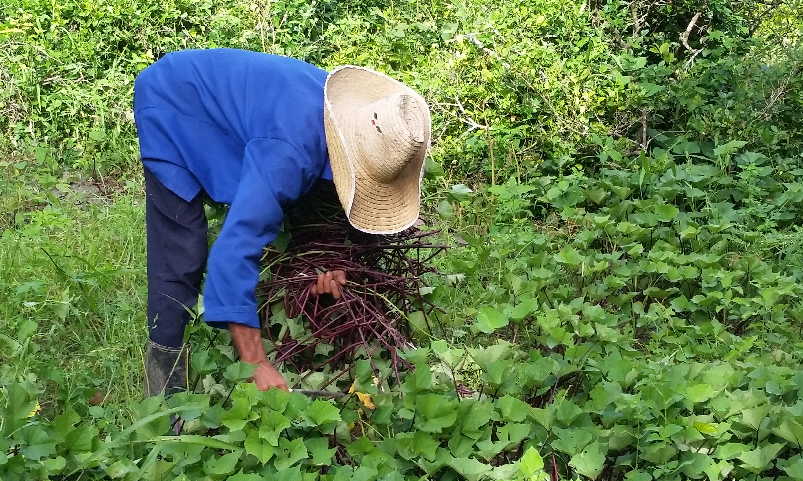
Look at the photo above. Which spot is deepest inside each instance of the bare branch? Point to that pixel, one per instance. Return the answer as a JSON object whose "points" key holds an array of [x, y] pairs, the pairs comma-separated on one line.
{"points": [[474, 125], [684, 37], [644, 141]]}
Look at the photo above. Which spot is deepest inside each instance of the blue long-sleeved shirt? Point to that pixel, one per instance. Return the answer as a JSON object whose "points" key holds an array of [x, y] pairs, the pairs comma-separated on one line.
{"points": [[246, 128]]}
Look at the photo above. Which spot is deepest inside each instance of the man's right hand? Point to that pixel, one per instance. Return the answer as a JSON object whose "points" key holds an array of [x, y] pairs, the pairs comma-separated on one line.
{"points": [[266, 377], [248, 342], [330, 282]]}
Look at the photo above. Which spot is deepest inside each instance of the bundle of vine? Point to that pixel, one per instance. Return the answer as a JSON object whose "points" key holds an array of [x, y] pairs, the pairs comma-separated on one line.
{"points": [[384, 281]]}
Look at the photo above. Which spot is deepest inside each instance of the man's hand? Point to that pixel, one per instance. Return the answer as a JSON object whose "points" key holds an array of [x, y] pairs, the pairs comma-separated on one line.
{"points": [[248, 342], [266, 377], [331, 282]]}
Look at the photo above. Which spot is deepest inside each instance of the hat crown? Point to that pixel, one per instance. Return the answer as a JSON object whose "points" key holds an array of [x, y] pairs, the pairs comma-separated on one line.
{"points": [[377, 135], [392, 132]]}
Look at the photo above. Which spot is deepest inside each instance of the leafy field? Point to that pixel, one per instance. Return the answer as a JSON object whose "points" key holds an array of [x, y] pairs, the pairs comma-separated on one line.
{"points": [[621, 184]]}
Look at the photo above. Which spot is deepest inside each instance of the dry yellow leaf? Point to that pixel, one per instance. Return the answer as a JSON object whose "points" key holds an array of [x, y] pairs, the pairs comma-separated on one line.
{"points": [[366, 400], [36, 409]]}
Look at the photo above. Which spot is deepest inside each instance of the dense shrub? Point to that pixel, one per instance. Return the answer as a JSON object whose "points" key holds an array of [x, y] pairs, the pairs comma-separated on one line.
{"points": [[622, 182]]}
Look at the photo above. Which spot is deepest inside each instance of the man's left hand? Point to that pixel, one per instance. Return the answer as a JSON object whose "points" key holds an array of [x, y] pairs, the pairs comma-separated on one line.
{"points": [[331, 282]]}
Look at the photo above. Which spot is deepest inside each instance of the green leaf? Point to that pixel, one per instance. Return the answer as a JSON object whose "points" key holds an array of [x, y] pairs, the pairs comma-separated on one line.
{"points": [[597, 195], [239, 371], [277, 399], [97, 134], [469, 468], [526, 307], [638, 476], [238, 416], [54, 465], [152, 423], [418, 321], [272, 423], [202, 362], [451, 357], [490, 319], [544, 417], [474, 416], [567, 411], [512, 409], [64, 423], [364, 473], [120, 468], [196, 440], [666, 212], [728, 148], [572, 441], [505, 472], [460, 192], [589, 462], [421, 378], [445, 209], [759, 459], [790, 430], [255, 446], [659, 453], [81, 438], [433, 169], [447, 33], [245, 477], [531, 463], [636, 250], [686, 148], [730, 450], [753, 417], [37, 444], [569, 255], [794, 468], [434, 412], [513, 433], [718, 471], [319, 451], [322, 412], [290, 452], [695, 464], [411, 445], [698, 393], [220, 465], [485, 448], [282, 241]]}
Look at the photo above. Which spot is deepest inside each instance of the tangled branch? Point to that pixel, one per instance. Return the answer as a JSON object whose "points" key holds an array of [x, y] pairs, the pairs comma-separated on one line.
{"points": [[384, 275]]}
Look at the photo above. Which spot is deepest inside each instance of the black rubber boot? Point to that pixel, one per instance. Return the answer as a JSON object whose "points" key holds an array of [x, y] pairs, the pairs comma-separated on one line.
{"points": [[165, 369]]}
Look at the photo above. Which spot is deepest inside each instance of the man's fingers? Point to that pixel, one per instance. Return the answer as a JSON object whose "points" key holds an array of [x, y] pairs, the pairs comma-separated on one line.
{"points": [[340, 277], [329, 282]]}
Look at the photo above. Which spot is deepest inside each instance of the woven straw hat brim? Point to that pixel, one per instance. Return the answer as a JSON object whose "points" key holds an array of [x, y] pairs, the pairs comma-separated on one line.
{"points": [[371, 206]]}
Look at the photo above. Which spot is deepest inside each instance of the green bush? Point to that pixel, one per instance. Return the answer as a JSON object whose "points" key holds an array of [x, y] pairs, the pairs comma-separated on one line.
{"points": [[622, 182], [513, 84], [640, 421]]}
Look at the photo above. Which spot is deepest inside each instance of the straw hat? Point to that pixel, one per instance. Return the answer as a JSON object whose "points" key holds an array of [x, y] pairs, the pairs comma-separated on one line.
{"points": [[377, 132]]}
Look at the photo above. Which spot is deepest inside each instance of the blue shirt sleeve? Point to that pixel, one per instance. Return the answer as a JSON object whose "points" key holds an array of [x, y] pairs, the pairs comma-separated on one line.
{"points": [[274, 174]]}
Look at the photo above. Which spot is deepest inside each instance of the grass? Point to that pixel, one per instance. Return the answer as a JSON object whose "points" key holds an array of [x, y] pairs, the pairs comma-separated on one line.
{"points": [[72, 288]]}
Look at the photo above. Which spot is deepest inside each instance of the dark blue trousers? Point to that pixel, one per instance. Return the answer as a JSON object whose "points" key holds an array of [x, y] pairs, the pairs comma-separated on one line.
{"points": [[177, 250]]}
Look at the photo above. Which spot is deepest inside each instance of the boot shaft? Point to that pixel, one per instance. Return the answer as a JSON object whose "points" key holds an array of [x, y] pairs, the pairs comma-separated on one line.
{"points": [[165, 369]]}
